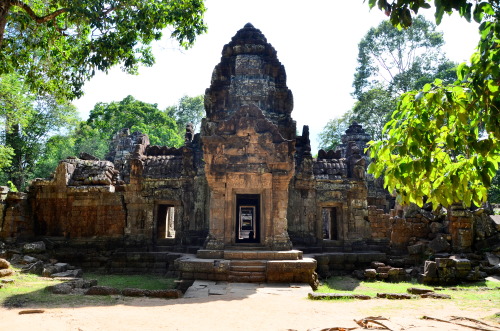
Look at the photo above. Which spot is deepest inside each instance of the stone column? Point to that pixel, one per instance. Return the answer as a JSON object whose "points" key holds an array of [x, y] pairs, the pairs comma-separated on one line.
{"points": [[215, 239], [279, 236]]}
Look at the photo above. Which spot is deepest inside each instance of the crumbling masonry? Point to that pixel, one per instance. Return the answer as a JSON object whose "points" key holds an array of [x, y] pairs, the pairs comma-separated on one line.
{"points": [[246, 184]]}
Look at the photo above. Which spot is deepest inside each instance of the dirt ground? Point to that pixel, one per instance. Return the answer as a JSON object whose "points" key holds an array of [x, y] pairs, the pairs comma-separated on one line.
{"points": [[267, 310]]}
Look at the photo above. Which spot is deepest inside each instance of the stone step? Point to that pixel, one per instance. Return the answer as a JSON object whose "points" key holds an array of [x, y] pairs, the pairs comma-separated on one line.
{"points": [[255, 278], [247, 247], [246, 273], [248, 268], [248, 263], [249, 255]]}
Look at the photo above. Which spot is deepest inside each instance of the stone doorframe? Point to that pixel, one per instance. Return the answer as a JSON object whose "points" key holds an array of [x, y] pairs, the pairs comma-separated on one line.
{"points": [[230, 225], [341, 210], [177, 216]]}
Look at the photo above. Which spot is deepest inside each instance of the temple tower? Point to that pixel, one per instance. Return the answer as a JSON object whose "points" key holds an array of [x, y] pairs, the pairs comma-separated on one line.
{"points": [[248, 139]]}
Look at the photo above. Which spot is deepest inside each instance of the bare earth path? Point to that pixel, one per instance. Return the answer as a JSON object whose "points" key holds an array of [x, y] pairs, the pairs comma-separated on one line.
{"points": [[254, 308]]}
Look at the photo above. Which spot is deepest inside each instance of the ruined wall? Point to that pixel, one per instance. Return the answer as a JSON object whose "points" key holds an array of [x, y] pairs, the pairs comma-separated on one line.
{"points": [[15, 215], [79, 202], [334, 183]]}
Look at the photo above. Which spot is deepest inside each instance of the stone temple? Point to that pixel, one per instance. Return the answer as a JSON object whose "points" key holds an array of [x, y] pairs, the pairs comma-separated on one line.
{"points": [[246, 188]]}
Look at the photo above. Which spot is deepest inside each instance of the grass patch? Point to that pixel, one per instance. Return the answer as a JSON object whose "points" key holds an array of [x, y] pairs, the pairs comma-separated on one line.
{"points": [[144, 282], [352, 285], [31, 290], [465, 295]]}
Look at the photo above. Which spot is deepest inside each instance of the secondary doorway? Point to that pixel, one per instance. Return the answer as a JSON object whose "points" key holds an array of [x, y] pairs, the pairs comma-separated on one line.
{"points": [[165, 217], [330, 224], [247, 218]]}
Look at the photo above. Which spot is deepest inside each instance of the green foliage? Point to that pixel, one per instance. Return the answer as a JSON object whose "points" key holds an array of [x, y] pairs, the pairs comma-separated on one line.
{"points": [[6, 154], [12, 187], [27, 120], [395, 59], [58, 147], [332, 133], [392, 61], [187, 110], [494, 190], [443, 143], [57, 45], [109, 118], [373, 110]]}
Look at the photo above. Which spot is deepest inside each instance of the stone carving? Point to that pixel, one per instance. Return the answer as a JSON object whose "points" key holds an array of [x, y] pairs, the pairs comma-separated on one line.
{"points": [[188, 137], [357, 163]]}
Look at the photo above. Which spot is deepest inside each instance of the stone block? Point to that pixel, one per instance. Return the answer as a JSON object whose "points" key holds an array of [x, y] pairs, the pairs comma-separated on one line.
{"points": [[395, 296], [461, 264], [34, 247], [61, 289], [384, 269], [376, 264], [4, 264], [370, 273], [444, 262], [416, 249], [416, 290], [102, 290], [430, 269], [396, 271], [6, 272], [34, 268]]}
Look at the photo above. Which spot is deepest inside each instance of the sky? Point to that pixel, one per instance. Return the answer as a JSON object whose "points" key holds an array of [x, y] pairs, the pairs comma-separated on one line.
{"points": [[317, 42]]}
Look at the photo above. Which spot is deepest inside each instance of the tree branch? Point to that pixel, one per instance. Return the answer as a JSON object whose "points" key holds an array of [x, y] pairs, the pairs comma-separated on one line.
{"points": [[35, 17]]}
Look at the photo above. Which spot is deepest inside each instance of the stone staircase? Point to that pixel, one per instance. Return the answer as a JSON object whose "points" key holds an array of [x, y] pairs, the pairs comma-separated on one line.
{"points": [[248, 266], [247, 271]]}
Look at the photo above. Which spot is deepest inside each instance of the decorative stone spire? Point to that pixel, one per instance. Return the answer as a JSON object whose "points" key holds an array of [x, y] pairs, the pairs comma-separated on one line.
{"points": [[250, 73]]}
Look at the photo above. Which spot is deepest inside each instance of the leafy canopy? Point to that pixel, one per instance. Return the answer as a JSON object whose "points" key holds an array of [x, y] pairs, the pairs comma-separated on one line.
{"points": [[187, 110], [26, 122], [109, 118], [331, 136], [443, 143], [392, 61], [56, 45]]}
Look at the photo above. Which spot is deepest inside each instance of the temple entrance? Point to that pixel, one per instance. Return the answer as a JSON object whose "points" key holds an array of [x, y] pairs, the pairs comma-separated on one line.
{"points": [[247, 218], [330, 223], [165, 221]]}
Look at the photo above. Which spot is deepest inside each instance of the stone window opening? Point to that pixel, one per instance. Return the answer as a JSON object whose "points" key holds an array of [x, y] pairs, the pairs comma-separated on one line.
{"points": [[330, 223], [165, 221]]}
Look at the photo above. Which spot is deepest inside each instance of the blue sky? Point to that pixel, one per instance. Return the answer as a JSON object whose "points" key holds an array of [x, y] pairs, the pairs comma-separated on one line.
{"points": [[317, 42]]}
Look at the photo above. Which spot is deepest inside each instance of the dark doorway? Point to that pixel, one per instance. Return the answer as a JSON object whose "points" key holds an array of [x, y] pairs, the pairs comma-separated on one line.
{"points": [[247, 218], [330, 223], [165, 222]]}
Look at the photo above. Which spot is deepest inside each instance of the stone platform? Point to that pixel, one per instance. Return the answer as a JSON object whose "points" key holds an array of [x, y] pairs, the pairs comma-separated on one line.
{"points": [[249, 254], [248, 267], [206, 289]]}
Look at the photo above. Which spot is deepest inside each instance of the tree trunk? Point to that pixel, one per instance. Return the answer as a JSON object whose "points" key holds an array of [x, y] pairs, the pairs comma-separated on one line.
{"points": [[4, 12], [16, 171]]}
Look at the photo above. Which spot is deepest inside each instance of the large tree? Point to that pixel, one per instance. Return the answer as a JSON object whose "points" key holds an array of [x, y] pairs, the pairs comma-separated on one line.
{"points": [[187, 110], [392, 61], [331, 136], [397, 58], [109, 118], [443, 144], [27, 120], [56, 45], [80, 139]]}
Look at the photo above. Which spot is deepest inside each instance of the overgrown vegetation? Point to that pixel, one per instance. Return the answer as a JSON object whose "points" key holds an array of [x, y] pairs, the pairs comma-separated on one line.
{"points": [[443, 142], [145, 282], [29, 290], [467, 295]]}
